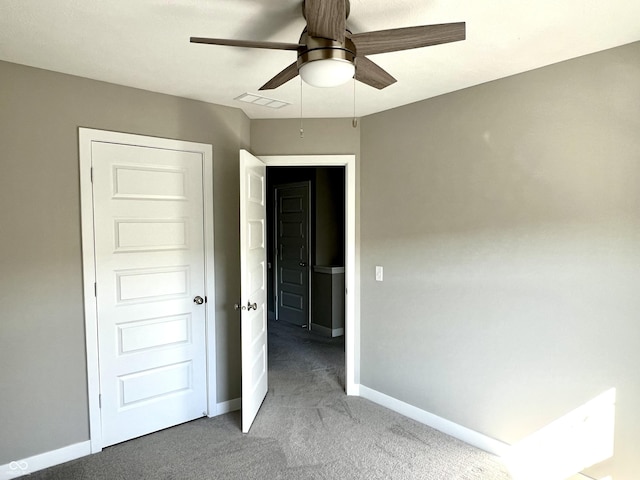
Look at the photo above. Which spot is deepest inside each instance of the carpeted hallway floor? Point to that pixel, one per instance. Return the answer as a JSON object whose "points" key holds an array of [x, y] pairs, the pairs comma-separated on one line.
{"points": [[307, 429]]}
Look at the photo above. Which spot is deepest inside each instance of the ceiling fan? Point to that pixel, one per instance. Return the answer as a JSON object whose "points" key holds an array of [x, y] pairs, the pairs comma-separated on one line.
{"points": [[329, 54]]}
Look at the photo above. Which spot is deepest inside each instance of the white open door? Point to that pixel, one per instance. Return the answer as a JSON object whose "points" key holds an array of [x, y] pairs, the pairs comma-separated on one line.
{"points": [[253, 277]]}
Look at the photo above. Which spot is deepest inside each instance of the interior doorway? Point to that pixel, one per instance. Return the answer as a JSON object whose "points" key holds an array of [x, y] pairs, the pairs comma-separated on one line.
{"points": [[253, 245], [306, 247]]}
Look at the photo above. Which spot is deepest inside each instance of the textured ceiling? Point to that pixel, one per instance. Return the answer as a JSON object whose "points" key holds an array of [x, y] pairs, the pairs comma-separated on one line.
{"points": [[145, 44]]}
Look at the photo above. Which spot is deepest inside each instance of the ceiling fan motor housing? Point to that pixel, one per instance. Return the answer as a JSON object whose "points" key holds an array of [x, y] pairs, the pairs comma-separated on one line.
{"points": [[318, 48]]}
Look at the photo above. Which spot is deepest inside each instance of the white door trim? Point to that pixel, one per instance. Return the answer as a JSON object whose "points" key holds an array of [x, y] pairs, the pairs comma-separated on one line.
{"points": [[352, 313], [85, 138]]}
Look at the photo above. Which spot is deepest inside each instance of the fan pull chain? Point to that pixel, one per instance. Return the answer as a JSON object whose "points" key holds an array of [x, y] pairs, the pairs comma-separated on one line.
{"points": [[354, 122], [301, 125]]}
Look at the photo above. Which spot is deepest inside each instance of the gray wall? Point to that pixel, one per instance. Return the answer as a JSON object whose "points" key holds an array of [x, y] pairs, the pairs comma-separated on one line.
{"points": [[322, 136], [507, 217], [43, 393], [329, 208]]}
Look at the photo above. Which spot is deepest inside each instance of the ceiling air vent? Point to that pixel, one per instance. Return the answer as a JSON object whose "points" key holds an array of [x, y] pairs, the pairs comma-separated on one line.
{"points": [[262, 101]]}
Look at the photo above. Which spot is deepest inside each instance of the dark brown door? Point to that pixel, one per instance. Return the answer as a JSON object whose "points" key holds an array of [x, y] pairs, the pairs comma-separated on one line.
{"points": [[292, 247]]}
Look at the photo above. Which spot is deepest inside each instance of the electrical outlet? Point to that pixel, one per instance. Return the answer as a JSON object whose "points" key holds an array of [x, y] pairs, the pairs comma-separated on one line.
{"points": [[379, 273]]}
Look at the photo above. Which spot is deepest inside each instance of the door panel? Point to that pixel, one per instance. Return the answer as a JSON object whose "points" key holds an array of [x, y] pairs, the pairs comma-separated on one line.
{"points": [[149, 254], [253, 279], [292, 247]]}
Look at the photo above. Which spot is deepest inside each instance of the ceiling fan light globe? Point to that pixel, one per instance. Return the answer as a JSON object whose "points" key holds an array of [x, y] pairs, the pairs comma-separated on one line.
{"points": [[328, 72]]}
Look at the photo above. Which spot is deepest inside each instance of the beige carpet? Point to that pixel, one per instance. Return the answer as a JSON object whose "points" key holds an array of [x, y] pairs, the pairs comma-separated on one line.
{"points": [[307, 429]]}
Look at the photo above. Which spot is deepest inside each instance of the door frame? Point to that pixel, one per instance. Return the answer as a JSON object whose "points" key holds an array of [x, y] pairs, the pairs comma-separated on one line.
{"points": [[352, 313], [308, 233], [86, 136]]}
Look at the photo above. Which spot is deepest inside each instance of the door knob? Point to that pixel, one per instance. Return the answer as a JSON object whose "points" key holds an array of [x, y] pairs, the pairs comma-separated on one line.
{"points": [[198, 300], [238, 307], [252, 306], [302, 264]]}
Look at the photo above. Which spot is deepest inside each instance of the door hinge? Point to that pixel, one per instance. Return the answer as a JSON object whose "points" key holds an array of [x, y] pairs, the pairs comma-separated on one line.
{"points": [[91, 174], [100, 401], [95, 289]]}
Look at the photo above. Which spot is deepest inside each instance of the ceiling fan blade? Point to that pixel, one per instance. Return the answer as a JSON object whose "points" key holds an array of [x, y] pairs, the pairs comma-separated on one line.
{"points": [[372, 74], [326, 18], [269, 18], [281, 78], [384, 41], [247, 43]]}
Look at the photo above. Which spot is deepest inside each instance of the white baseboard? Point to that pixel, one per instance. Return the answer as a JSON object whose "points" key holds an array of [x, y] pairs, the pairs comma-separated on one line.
{"points": [[326, 331], [465, 434], [29, 465], [25, 466], [229, 406]]}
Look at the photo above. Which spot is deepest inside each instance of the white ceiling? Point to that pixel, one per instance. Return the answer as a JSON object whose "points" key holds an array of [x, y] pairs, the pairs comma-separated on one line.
{"points": [[145, 44]]}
